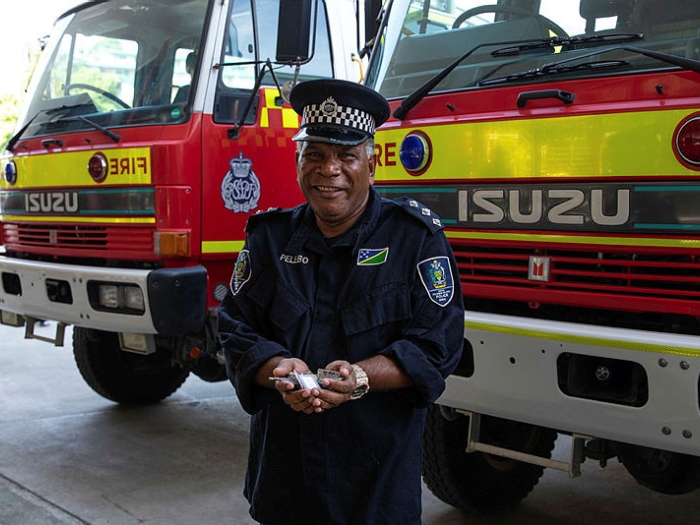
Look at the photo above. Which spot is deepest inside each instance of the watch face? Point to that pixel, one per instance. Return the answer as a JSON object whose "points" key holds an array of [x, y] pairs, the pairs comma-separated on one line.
{"points": [[359, 392]]}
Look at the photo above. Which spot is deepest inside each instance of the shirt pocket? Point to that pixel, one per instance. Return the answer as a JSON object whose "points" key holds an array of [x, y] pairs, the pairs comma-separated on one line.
{"points": [[283, 305], [376, 318]]}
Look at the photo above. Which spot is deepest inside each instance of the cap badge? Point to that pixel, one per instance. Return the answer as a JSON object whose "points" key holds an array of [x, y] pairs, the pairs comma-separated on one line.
{"points": [[329, 107]]}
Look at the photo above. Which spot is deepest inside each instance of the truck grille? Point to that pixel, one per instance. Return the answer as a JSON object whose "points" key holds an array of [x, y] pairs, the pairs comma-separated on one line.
{"points": [[640, 282], [80, 240]]}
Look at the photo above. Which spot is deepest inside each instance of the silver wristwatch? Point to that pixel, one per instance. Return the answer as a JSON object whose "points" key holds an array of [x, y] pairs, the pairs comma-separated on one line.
{"points": [[362, 383]]}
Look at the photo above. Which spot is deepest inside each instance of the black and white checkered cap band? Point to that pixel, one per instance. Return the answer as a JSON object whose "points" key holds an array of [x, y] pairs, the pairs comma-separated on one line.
{"points": [[329, 112]]}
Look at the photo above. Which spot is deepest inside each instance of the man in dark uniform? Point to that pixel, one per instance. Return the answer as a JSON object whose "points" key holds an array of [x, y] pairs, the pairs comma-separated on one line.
{"points": [[352, 283]]}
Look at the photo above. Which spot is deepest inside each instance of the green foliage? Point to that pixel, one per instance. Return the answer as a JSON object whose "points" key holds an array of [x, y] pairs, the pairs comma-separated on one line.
{"points": [[10, 103], [9, 109]]}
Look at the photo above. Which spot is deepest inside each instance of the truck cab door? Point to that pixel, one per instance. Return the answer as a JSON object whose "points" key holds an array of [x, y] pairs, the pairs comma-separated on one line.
{"points": [[246, 126]]}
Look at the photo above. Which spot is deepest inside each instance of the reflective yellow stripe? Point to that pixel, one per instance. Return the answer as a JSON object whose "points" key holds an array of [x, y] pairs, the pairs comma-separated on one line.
{"points": [[577, 339], [582, 146], [222, 246], [575, 239], [53, 218], [126, 166]]}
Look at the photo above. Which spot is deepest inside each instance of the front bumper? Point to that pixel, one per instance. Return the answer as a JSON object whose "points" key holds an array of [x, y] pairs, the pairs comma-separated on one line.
{"points": [[174, 298], [518, 375]]}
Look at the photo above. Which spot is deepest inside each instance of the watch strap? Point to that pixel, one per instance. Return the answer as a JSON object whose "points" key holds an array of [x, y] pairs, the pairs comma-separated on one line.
{"points": [[362, 382]]}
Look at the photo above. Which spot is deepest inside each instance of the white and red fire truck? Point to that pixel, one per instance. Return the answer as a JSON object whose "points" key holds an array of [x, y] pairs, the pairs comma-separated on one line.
{"points": [[559, 140], [152, 130]]}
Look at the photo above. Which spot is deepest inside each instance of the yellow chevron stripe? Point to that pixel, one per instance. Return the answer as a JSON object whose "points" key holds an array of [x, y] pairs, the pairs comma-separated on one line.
{"points": [[290, 119], [222, 246]]}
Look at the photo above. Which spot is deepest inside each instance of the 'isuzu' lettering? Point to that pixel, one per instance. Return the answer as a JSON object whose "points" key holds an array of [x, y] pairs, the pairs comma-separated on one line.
{"points": [[51, 202], [581, 207], [556, 206]]}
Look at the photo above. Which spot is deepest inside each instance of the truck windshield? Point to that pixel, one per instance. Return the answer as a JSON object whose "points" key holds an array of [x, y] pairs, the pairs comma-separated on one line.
{"points": [[509, 40], [248, 46], [117, 63]]}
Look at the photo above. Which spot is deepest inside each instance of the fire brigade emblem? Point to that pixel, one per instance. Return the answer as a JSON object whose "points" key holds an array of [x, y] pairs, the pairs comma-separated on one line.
{"points": [[240, 188], [436, 275], [241, 272]]}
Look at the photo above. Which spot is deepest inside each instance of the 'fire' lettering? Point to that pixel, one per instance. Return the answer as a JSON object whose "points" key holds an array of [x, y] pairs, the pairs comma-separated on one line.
{"points": [[128, 166]]}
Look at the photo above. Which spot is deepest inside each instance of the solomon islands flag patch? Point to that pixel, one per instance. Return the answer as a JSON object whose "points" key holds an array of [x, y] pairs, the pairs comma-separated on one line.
{"points": [[372, 257], [436, 274]]}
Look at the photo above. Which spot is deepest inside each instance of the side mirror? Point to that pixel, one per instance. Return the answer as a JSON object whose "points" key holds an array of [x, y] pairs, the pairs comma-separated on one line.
{"points": [[294, 31]]}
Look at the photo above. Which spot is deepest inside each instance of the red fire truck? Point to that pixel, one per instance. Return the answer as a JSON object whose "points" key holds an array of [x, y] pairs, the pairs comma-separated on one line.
{"points": [[559, 141], [152, 130]]}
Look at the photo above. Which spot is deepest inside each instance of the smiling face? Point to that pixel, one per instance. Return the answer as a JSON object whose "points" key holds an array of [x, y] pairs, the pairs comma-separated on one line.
{"points": [[335, 180]]}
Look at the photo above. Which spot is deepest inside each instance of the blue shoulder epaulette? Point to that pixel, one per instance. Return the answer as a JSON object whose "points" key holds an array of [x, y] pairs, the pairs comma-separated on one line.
{"points": [[259, 216], [420, 212]]}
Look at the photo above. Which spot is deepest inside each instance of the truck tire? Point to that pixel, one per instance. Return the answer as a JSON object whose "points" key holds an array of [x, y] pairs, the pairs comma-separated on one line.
{"points": [[660, 470], [120, 376], [209, 369], [479, 482]]}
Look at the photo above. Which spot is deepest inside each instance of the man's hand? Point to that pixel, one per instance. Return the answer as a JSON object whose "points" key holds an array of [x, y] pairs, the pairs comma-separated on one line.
{"points": [[335, 392], [298, 399]]}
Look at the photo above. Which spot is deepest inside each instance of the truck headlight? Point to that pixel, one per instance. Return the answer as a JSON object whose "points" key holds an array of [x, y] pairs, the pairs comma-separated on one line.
{"points": [[119, 298], [109, 296], [133, 298]]}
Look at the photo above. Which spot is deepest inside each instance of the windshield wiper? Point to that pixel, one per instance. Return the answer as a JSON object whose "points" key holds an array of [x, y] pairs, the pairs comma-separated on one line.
{"points": [[49, 114], [101, 129], [419, 94], [554, 69], [516, 46], [551, 68], [686, 63], [567, 42], [559, 66], [15, 138]]}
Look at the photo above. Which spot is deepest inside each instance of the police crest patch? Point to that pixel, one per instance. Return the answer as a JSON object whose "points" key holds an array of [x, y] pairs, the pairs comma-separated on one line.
{"points": [[436, 275], [240, 188], [241, 272]]}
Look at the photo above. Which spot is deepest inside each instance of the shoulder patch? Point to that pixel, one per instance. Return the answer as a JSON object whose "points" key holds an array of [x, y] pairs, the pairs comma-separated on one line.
{"points": [[420, 212], [436, 275], [241, 272]]}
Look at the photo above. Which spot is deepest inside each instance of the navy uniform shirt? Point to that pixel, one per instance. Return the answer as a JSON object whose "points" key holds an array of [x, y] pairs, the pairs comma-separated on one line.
{"points": [[388, 285]]}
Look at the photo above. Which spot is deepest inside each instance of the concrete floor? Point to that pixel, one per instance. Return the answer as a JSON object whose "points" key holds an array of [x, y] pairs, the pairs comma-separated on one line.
{"points": [[68, 456]]}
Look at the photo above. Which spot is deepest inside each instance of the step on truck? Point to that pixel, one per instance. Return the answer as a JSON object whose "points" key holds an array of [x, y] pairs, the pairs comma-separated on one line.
{"points": [[152, 130], [559, 142]]}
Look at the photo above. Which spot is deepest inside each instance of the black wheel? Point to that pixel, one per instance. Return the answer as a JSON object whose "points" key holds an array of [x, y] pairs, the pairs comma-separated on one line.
{"points": [[546, 22], [660, 470], [479, 482], [124, 377], [209, 369], [101, 91]]}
